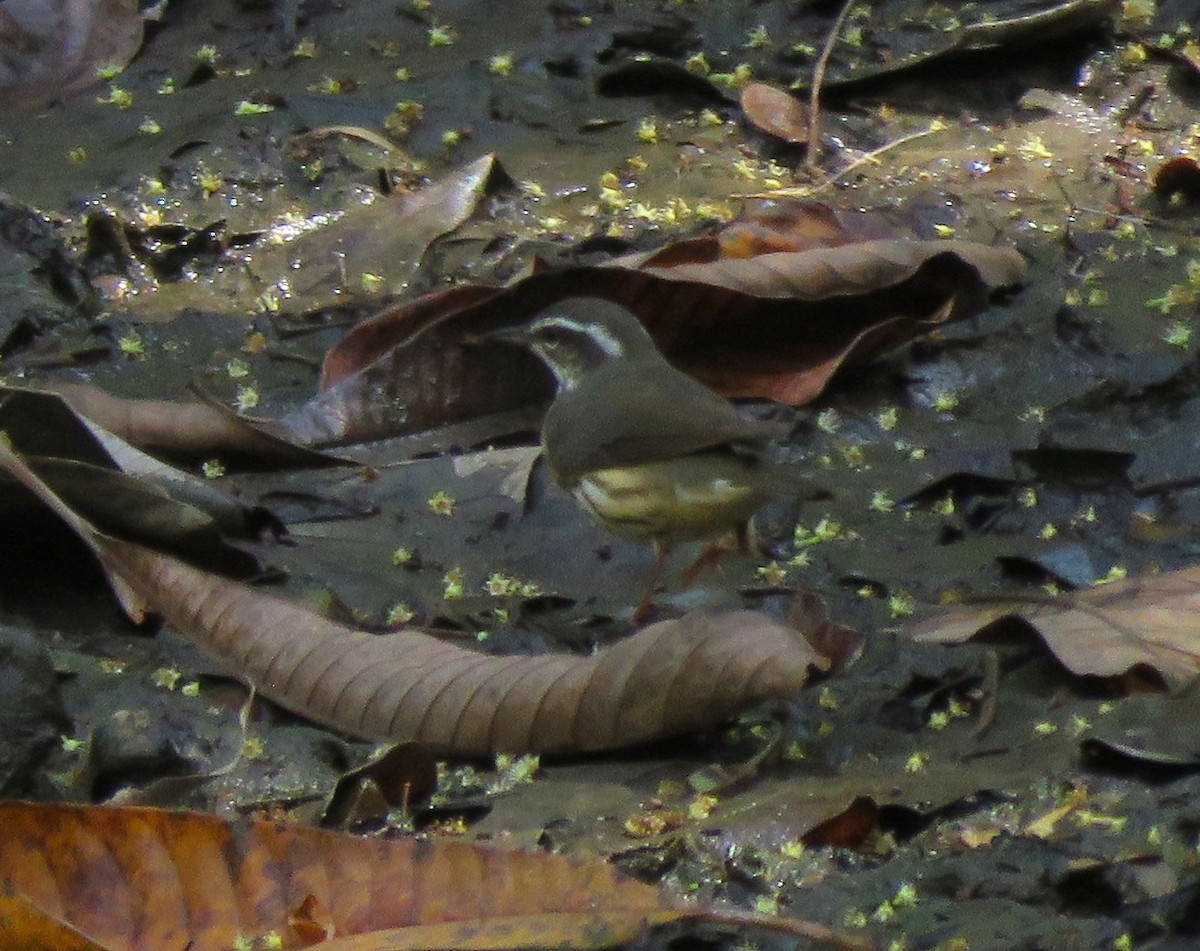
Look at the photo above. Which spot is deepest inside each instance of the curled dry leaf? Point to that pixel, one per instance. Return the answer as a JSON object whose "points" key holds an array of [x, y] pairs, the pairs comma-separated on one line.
{"points": [[776, 112], [667, 679], [1105, 631]]}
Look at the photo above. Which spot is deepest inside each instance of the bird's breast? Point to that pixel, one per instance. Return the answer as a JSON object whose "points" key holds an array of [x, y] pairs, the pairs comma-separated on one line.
{"points": [[692, 497]]}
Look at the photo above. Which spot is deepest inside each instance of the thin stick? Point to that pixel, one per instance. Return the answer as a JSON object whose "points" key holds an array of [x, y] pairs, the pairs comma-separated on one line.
{"points": [[814, 93], [803, 191]]}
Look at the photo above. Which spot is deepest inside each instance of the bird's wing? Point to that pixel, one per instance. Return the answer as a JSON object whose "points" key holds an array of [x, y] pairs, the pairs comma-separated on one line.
{"points": [[629, 413]]}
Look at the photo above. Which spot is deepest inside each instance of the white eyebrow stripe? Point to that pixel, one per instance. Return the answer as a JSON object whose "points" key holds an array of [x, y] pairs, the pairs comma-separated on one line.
{"points": [[597, 332]]}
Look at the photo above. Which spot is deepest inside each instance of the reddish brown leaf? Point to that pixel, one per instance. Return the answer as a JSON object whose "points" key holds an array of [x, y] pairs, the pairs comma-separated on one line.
{"points": [[145, 880], [775, 325], [669, 678], [776, 112], [1105, 631]]}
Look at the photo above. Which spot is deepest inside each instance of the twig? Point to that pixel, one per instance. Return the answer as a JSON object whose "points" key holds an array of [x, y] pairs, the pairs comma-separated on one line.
{"points": [[803, 191], [814, 93]]}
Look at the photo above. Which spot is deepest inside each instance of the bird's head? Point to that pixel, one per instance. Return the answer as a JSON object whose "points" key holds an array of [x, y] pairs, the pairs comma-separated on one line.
{"points": [[580, 334]]}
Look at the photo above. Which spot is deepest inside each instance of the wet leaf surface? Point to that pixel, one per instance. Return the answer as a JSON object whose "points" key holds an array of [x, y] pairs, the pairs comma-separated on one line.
{"points": [[997, 427]]}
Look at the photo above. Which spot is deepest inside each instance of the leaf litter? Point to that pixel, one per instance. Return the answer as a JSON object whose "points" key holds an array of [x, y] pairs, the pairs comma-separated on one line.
{"points": [[947, 766]]}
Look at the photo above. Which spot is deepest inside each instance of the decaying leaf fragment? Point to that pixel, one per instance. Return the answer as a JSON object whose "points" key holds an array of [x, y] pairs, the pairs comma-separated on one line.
{"points": [[1105, 631]]}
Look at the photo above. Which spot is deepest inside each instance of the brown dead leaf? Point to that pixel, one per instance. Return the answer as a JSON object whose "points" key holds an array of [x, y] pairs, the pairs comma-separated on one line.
{"points": [[190, 431], [771, 326], [776, 112], [670, 678], [1104, 631], [52, 49], [136, 879]]}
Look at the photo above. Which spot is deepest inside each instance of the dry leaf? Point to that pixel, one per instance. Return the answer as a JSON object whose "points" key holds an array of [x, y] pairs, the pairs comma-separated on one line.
{"points": [[1103, 631], [776, 112], [79, 878], [670, 678]]}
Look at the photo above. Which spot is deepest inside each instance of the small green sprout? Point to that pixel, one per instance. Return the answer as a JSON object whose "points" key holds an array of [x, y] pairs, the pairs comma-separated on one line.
{"points": [[210, 182], [70, 745], [697, 65], [1045, 728], [500, 585], [1028, 498], [501, 64], [1115, 573], [772, 573], [212, 468], [109, 71], [767, 905], [1179, 334], [647, 130], [190, 689], [149, 126], [246, 399], [916, 762], [442, 34], [78, 155], [1033, 148], [207, 54], [167, 677], [710, 118], [131, 345], [167, 87], [944, 231], [399, 613], [827, 699], [945, 506], [759, 38], [887, 418], [247, 108], [452, 584], [1080, 724], [829, 421], [939, 720], [237, 368], [882, 501], [117, 96], [945, 401], [901, 604], [442, 503], [305, 49], [402, 557], [1048, 531]]}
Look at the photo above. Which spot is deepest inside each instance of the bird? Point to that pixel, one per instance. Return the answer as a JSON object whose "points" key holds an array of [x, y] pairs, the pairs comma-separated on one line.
{"points": [[649, 452]]}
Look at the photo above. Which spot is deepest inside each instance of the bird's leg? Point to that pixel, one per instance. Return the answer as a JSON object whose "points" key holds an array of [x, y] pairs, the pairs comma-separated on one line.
{"points": [[645, 608], [742, 544]]}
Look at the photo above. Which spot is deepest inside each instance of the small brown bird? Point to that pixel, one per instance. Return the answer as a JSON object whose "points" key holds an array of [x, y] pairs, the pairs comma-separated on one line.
{"points": [[649, 452]]}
